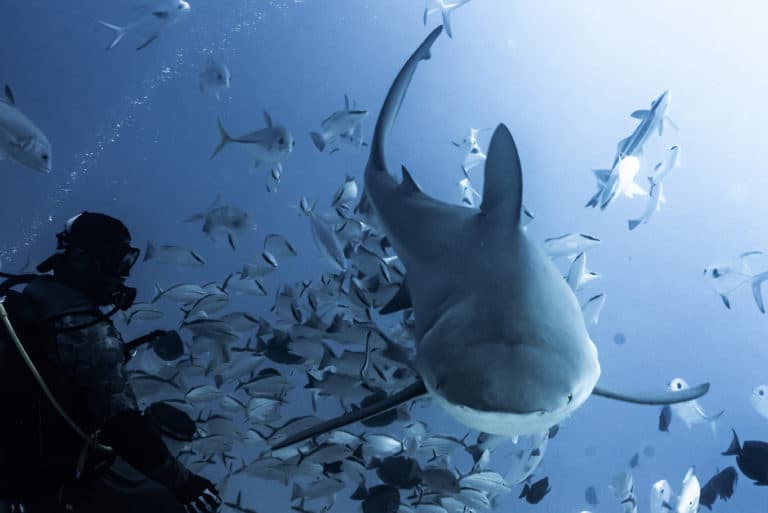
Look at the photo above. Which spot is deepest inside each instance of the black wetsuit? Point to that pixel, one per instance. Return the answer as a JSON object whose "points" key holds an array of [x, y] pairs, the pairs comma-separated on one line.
{"points": [[85, 368]]}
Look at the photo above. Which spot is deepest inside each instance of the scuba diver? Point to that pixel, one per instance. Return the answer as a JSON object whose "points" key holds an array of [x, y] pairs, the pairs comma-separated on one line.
{"points": [[70, 415]]}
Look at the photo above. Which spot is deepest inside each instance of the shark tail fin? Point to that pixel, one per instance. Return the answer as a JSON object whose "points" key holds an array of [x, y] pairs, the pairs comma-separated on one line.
{"points": [[318, 140], [659, 398], [225, 139], [407, 394], [735, 448], [757, 290], [118, 33], [633, 223]]}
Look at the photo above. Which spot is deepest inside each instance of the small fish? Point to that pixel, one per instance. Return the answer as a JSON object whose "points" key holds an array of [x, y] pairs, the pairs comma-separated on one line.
{"points": [[534, 493], [592, 309], [168, 254], [468, 193], [240, 283], [720, 486], [322, 489], [159, 16], [342, 124], [215, 78], [751, 457], [691, 412], [569, 245], [619, 339], [590, 495], [759, 400], [346, 194], [726, 278], [663, 168], [203, 394], [445, 8], [20, 139], [489, 482], [688, 500], [656, 197], [578, 276], [180, 293], [661, 497], [224, 220], [381, 499], [269, 145], [278, 246], [325, 238], [623, 489], [665, 418]]}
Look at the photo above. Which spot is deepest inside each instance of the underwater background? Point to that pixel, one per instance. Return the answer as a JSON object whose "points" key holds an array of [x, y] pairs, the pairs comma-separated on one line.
{"points": [[132, 137]]}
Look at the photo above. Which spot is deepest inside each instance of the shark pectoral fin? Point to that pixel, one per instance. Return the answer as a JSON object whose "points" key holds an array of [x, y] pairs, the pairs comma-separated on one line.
{"points": [[641, 114], [657, 398], [401, 300], [503, 187], [412, 392]]}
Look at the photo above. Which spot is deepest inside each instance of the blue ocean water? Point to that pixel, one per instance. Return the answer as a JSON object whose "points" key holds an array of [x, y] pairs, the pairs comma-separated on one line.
{"points": [[132, 136]]}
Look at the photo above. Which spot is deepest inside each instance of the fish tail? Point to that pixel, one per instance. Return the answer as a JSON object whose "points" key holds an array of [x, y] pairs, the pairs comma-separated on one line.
{"points": [[225, 138], [633, 223], [735, 448], [525, 491], [296, 492], [318, 140], [119, 32], [151, 251], [158, 291]]}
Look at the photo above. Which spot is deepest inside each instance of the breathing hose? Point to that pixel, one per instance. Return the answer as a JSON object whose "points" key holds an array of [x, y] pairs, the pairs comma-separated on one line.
{"points": [[89, 440]]}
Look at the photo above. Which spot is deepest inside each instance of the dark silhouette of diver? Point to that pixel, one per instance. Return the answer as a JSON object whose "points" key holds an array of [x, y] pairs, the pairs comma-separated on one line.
{"points": [[71, 434]]}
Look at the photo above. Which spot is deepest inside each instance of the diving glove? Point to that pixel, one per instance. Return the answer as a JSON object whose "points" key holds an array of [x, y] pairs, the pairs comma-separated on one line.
{"points": [[198, 495]]}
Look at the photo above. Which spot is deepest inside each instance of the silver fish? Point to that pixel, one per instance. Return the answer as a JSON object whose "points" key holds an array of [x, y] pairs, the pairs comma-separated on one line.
{"points": [[20, 139]]}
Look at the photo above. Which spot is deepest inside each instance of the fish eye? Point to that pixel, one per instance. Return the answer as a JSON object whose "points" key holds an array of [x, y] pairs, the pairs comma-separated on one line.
{"points": [[281, 141], [180, 7], [679, 386], [761, 392]]}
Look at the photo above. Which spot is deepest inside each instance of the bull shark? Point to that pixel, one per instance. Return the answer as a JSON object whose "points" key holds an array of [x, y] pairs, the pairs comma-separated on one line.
{"points": [[501, 343]]}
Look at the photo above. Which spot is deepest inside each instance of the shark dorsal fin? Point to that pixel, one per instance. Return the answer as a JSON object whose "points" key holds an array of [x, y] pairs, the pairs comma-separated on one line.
{"points": [[9, 95], [408, 184], [503, 188], [268, 119], [346, 103]]}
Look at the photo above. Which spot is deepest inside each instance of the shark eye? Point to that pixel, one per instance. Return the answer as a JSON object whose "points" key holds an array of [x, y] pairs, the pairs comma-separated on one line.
{"points": [[45, 157], [281, 141]]}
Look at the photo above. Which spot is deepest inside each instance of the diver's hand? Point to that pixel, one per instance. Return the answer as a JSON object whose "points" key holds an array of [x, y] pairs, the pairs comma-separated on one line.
{"points": [[198, 495]]}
